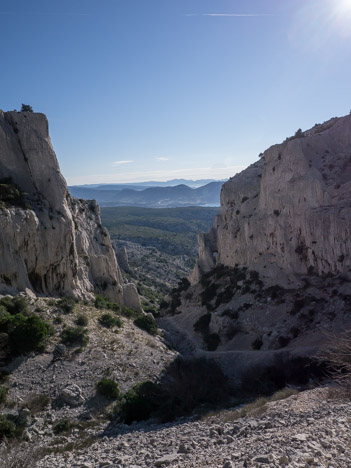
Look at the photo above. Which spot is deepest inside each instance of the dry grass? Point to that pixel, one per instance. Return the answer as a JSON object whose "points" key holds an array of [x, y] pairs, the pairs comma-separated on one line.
{"points": [[337, 356], [254, 409], [19, 455]]}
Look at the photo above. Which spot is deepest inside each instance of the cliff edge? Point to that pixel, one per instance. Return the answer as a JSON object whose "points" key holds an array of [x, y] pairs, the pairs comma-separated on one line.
{"points": [[50, 242]]}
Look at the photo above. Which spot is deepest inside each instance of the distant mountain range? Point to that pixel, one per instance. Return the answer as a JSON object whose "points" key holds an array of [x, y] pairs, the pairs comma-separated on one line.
{"points": [[142, 185], [150, 197]]}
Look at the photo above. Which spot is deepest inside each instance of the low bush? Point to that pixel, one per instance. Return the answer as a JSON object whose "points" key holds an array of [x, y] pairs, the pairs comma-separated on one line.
{"points": [[11, 194], [102, 302], [36, 403], [29, 334], [108, 320], [108, 388], [67, 304], [3, 394], [5, 318], [64, 425], [147, 323], [128, 312], [203, 323], [14, 305], [75, 336], [82, 320], [212, 341], [7, 427], [139, 402]]}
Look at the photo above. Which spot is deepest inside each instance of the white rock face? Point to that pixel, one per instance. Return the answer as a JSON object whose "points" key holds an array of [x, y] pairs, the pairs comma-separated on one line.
{"points": [[57, 245], [289, 213]]}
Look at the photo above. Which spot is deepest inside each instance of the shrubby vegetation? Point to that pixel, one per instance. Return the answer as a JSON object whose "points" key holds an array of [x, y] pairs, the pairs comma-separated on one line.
{"points": [[108, 320], [7, 427], [102, 302], [26, 108], [171, 230], [64, 425], [82, 320], [27, 332], [108, 388], [3, 394], [67, 304], [11, 195], [147, 323], [75, 336]]}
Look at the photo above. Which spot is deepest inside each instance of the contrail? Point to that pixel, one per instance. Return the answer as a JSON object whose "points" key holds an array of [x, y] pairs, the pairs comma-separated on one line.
{"points": [[46, 13], [235, 15]]}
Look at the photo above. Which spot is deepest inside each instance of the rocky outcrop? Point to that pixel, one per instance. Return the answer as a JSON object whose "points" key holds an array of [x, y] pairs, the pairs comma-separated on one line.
{"points": [[273, 274], [288, 214], [122, 258], [50, 243]]}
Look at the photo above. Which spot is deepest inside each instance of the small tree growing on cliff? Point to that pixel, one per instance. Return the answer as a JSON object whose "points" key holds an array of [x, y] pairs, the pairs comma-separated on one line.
{"points": [[26, 108]]}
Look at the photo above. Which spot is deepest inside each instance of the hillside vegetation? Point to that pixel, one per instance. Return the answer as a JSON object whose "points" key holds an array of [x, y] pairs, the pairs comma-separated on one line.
{"points": [[171, 230]]}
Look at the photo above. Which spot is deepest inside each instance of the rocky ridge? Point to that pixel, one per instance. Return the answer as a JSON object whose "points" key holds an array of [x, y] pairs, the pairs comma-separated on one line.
{"points": [[273, 274], [50, 242], [289, 213]]}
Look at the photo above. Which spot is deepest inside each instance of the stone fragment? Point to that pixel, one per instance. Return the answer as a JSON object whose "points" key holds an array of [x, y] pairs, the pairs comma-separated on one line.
{"points": [[72, 395]]}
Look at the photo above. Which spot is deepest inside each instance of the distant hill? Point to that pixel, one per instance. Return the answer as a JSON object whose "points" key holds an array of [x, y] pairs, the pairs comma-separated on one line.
{"points": [[152, 197], [142, 185]]}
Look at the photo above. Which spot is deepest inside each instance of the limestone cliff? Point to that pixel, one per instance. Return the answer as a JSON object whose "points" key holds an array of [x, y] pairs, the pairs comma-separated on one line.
{"points": [[289, 213], [50, 243], [274, 271]]}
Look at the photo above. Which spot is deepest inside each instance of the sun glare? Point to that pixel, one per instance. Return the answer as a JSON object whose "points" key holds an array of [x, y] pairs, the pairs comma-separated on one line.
{"points": [[342, 7], [345, 5]]}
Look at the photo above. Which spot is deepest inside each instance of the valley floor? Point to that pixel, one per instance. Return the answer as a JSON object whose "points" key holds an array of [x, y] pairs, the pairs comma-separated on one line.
{"points": [[307, 429]]}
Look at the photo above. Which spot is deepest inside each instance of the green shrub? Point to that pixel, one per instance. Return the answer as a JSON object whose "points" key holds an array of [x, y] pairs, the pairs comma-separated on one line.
{"points": [[129, 312], [82, 320], [147, 323], [7, 427], [203, 323], [14, 305], [139, 402], [108, 320], [102, 302], [11, 195], [75, 336], [26, 108], [29, 334], [212, 341], [63, 425], [67, 304], [108, 388], [3, 394], [5, 318]]}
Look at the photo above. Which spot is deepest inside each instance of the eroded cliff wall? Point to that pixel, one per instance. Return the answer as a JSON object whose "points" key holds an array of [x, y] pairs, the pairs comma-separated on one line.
{"points": [[289, 214], [273, 274], [50, 243]]}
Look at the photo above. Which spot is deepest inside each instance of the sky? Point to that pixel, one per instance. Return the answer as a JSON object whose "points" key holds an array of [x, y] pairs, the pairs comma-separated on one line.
{"points": [[139, 90]]}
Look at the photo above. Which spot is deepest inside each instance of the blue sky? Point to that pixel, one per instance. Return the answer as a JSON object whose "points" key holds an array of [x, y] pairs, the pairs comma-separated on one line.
{"points": [[159, 89]]}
